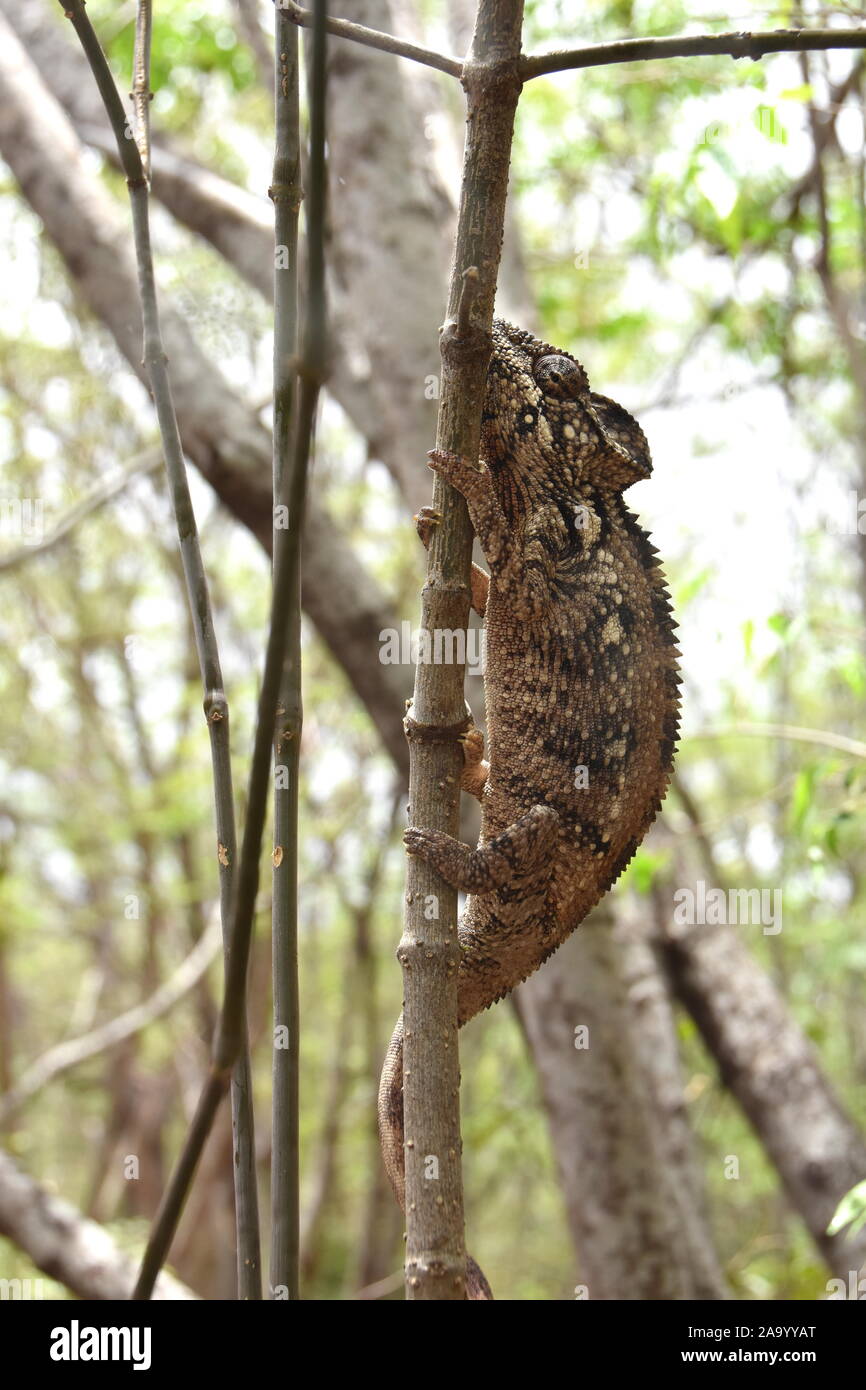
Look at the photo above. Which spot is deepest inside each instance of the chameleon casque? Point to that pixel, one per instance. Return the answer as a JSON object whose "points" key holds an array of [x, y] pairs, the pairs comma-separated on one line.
{"points": [[581, 682]]}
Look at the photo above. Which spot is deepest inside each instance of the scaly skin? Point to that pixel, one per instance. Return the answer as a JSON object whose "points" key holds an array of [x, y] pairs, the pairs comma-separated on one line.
{"points": [[581, 682]]}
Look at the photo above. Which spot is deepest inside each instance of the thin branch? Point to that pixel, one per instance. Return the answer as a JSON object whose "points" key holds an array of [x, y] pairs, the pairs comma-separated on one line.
{"points": [[429, 951], [224, 438], [286, 193], [215, 702], [73, 1051], [141, 93], [146, 462], [823, 737], [825, 131], [382, 1287], [734, 45], [374, 38], [231, 1025], [744, 44]]}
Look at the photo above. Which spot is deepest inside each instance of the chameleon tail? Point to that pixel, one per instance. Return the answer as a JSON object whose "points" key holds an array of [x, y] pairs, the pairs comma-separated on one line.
{"points": [[391, 1137], [390, 1111]]}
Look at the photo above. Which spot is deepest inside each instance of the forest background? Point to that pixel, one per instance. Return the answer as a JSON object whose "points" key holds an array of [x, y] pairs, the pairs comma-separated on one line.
{"points": [[694, 231]]}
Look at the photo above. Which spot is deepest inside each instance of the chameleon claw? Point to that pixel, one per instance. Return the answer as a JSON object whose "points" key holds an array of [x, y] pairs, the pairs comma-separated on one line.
{"points": [[420, 842], [472, 743], [425, 520]]}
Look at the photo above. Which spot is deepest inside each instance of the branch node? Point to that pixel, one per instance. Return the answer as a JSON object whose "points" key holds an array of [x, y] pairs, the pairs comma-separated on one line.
{"points": [[216, 706], [434, 733], [461, 340], [289, 193]]}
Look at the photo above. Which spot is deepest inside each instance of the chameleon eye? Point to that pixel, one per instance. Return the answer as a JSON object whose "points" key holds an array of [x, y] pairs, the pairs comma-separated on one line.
{"points": [[560, 377]]}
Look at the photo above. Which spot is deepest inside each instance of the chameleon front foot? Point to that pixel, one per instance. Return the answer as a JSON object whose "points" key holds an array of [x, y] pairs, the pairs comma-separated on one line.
{"points": [[468, 478], [518, 850]]}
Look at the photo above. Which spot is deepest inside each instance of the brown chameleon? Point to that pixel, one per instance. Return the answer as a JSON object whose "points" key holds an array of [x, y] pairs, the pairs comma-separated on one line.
{"points": [[581, 682]]}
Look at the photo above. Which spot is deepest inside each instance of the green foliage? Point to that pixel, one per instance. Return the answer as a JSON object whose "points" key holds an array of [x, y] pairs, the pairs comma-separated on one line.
{"points": [[191, 42], [850, 1212]]}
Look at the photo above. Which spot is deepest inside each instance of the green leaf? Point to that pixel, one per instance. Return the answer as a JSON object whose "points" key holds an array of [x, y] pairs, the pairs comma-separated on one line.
{"points": [[802, 797], [748, 637], [779, 623], [850, 1211], [641, 872], [853, 674], [690, 588]]}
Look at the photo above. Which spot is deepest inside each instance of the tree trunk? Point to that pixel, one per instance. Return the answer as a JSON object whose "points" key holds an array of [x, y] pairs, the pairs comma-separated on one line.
{"points": [[620, 1133]]}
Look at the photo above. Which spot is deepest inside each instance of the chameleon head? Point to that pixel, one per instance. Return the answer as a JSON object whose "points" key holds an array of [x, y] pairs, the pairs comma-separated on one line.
{"points": [[543, 425]]}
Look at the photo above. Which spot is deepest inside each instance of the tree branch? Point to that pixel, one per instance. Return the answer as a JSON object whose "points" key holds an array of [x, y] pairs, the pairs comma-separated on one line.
{"points": [[73, 1051], [373, 38], [220, 430], [63, 1243], [141, 93], [286, 192], [823, 737], [231, 1028], [734, 45], [216, 707], [149, 461], [429, 951], [742, 44]]}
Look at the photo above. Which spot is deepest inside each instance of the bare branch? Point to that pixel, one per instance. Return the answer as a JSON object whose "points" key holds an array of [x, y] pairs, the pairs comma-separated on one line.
{"points": [[742, 44], [735, 45], [147, 462], [373, 38], [73, 1051], [429, 950], [216, 706], [823, 737], [63, 1243], [141, 93], [287, 193], [232, 1023]]}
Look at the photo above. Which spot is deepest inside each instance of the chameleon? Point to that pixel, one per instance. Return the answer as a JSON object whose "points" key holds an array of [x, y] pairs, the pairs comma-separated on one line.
{"points": [[581, 682]]}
